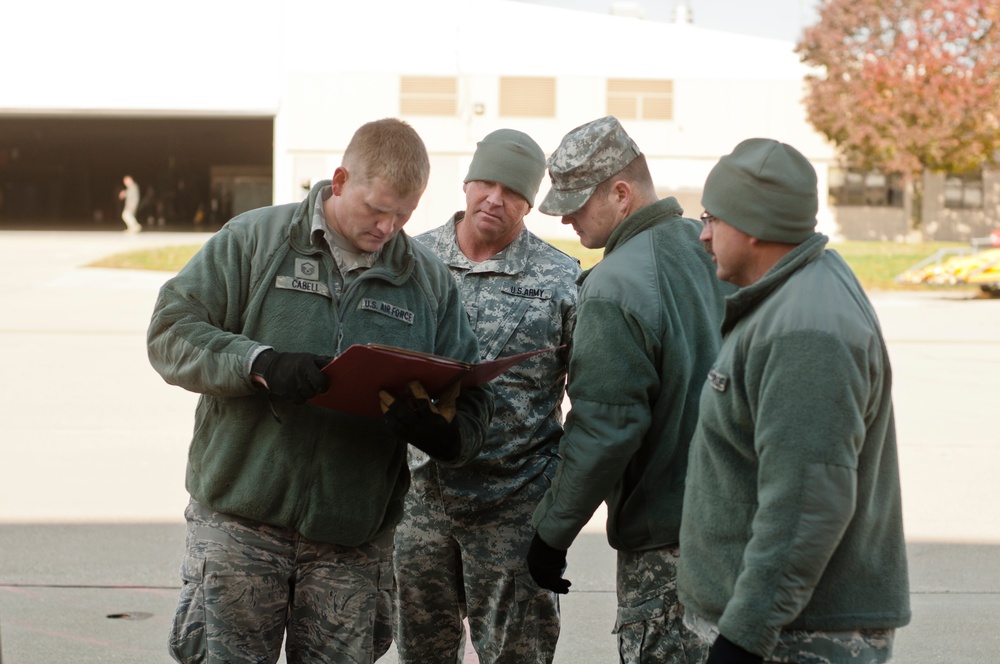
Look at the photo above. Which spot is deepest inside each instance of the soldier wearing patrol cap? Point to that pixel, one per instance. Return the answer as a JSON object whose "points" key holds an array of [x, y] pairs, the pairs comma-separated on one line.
{"points": [[647, 330], [460, 549]]}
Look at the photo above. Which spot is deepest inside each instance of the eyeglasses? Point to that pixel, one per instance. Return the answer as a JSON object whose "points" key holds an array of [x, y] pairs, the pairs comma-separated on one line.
{"points": [[707, 218]]}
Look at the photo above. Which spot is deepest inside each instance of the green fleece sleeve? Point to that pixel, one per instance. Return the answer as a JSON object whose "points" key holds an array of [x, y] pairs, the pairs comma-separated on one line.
{"points": [[193, 339], [612, 380], [811, 393]]}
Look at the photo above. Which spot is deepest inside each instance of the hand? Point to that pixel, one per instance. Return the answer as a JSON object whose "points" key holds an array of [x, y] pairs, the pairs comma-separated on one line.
{"points": [[426, 425], [296, 377], [547, 565], [724, 651]]}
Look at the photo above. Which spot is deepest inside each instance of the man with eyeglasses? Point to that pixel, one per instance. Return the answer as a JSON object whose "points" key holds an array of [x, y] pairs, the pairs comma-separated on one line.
{"points": [[792, 533], [647, 330]]}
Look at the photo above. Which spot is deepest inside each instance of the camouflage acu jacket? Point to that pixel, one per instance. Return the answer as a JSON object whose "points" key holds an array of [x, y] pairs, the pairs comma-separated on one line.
{"points": [[521, 299]]}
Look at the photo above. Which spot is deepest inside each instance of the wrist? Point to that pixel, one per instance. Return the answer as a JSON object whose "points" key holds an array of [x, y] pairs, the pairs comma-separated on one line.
{"points": [[260, 364]]}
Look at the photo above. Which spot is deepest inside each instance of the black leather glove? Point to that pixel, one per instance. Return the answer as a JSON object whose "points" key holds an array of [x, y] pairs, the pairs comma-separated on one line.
{"points": [[296, 377], [547, 565], [724, 651], [427, 426]]}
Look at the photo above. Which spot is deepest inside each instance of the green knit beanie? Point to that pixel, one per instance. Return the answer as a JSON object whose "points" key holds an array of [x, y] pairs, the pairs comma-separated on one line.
{"points": [[766, 189], [511, 158]]}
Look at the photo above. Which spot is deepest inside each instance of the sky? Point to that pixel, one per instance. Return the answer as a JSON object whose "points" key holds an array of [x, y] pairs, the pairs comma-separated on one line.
{"points": [[774, 19]]}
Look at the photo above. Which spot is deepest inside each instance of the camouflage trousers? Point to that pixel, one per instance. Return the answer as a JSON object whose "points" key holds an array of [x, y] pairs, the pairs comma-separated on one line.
{"points": [[472, 565], [650, 625], [869, 646], [246, 583]]}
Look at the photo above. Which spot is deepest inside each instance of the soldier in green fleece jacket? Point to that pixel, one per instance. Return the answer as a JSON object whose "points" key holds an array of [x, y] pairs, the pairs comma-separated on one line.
{"points": [[293, 506], [647, 330], [792, 536]]}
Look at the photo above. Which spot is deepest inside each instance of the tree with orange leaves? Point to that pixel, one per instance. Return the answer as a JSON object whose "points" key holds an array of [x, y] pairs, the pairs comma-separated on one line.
{"points": [[906, 86]]}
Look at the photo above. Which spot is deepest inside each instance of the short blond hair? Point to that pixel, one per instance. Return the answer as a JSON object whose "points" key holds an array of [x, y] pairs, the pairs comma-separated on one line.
{"points": [[392, 150]]}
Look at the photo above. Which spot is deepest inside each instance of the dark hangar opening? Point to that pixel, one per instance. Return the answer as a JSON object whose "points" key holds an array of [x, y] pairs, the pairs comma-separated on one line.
{"points": [[65, 172]]}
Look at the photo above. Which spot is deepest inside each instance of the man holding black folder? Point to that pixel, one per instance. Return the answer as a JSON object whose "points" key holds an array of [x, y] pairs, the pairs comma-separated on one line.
{"points": [[293, 506], [461, 546]]}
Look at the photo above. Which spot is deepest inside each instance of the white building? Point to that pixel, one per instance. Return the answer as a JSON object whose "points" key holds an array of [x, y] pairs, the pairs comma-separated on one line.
{"points": [[214, 86]]}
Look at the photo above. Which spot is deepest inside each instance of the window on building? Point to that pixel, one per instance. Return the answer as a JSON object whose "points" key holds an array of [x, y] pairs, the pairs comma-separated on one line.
{"points": [[851, 187], [428, 95], [527, 97], [641, 99], [963, 191]]}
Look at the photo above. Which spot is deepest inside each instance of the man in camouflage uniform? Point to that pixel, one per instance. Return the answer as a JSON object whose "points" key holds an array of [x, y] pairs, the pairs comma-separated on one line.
{"points": [[647, 331], [792, 534], [461, 546]]}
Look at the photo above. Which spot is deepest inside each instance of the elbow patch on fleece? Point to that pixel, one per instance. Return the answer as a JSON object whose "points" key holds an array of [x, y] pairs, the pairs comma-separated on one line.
{"points": [[828, 502]]}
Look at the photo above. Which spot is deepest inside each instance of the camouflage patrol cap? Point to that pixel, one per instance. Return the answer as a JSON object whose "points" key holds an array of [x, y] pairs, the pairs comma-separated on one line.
{"points": [[586, 157]]}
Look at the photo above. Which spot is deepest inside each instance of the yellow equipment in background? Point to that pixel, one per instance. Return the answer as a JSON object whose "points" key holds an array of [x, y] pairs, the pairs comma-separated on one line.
{"points": [[949, 267]]}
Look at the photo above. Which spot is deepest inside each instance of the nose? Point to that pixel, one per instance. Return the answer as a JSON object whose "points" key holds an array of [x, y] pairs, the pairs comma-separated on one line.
{"points": [[495, 197], [385, 223], [706, 233], [567, 220]]}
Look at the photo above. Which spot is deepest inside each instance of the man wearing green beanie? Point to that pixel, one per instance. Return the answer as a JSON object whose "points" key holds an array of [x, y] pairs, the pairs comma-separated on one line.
{"points": [[647, 330], [792, 534], [460, 550]]}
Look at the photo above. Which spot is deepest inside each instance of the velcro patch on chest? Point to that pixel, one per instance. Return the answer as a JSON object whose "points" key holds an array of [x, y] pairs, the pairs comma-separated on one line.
{"points": [[527, 291], [307, 268], [302, 285], [386, 309], [718, 380]]}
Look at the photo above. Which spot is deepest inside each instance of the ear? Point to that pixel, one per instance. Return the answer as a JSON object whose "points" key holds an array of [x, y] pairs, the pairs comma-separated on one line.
{"points": [[621, 194], [338, 180]]}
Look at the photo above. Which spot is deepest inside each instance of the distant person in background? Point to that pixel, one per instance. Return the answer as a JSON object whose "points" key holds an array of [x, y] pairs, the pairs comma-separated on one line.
{"points": [[130, 194], [461, 547]]}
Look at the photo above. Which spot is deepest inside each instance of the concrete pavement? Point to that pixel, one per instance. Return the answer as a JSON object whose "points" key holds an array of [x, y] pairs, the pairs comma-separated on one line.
{"points": [[93, 445]]}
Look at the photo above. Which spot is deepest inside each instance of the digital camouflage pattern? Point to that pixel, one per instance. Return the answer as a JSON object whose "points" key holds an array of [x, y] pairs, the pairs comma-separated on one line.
{"points": [[462, 545], [522, 299], [870, 646], [476, 561], [650, 625], [586, 157], [235, 598]]}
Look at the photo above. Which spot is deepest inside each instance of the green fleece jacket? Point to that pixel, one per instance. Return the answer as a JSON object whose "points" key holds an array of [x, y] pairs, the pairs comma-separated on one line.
{"points": [[265, 280], [792, 516], [647, 330]]}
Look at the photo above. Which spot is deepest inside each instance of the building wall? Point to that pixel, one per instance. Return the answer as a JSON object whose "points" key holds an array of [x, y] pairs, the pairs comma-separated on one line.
{"points": [[321, 71], [320, 111], [960, 225]]}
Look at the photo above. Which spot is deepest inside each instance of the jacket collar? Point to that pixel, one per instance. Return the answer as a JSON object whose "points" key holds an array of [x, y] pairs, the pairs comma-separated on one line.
{"points": [[396, 257], [642, 219], [512, 259], [740, 303]]}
